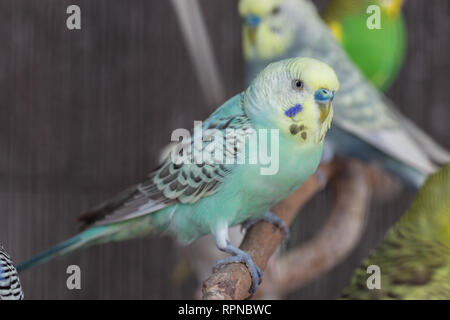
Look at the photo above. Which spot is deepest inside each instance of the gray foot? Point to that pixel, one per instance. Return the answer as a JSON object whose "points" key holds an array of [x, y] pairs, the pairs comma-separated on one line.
{"points": [[321, 177], [239, 256], [328, 153], [272, 218]]}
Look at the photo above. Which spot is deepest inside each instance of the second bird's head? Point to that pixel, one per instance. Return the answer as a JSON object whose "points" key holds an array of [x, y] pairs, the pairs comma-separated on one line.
{"points": [[295, 96], [271, 27], [265, 34]]}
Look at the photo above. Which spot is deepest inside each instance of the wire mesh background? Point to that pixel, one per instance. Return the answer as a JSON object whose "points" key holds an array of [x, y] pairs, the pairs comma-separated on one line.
{"points": [[85, 113]]}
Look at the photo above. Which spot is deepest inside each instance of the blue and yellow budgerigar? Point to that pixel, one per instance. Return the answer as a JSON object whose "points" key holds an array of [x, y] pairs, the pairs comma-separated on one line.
{"points": [[366, 125], [414, 257], [10, 287], [294, 98]]}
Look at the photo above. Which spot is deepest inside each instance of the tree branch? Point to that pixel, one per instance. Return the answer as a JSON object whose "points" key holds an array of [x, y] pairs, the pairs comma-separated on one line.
{"points": [[332, 244], [233, 281]]}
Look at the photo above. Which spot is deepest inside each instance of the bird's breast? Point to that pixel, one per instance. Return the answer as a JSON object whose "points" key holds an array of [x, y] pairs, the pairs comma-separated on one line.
{"points": [[295, 164]]}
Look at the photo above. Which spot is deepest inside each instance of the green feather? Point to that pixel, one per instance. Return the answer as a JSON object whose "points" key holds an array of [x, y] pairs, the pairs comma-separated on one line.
{"points": [[379, 53], [414, 257]]}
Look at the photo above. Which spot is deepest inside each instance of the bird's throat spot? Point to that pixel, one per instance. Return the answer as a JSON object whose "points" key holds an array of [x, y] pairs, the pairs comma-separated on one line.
{"points": [[304, 135], [295, 129]]}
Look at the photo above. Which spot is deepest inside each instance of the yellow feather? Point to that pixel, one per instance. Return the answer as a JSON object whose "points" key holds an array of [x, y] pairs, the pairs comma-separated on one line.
{"points": [[392, 7], [257, 7], [316, 73], [336, 29]]}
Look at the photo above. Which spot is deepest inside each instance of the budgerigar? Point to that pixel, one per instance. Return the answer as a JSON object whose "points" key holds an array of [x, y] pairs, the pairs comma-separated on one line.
{"points": [[379, 53], [414, 257], [10, 287], [293, 97], [365, 124]]}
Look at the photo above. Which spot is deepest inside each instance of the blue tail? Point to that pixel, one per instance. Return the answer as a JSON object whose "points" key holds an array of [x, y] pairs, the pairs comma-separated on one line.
{"points": [[82, 239]]}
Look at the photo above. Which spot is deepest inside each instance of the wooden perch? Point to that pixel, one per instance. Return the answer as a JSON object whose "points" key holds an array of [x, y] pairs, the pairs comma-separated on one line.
{"points": [[332, 244], [233, 281]]}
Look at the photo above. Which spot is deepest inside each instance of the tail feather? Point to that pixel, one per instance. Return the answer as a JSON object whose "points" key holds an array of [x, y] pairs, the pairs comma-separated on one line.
{"points": [[105, 208], [80, 240], [436, 153], [342, 143]]}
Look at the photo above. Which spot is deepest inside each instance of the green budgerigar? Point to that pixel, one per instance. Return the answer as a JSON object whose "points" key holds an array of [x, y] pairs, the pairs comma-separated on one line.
{"points": [[378, 52], [414, 257], [291, 100], [365, 125]]}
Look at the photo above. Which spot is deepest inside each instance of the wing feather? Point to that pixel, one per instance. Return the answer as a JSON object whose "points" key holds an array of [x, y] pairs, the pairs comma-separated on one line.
{"points": [[361, 110], [177, 183]]}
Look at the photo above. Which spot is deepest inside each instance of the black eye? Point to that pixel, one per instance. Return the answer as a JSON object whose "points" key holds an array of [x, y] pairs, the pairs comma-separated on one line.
{"points": [[298, 84], [276, 10]]}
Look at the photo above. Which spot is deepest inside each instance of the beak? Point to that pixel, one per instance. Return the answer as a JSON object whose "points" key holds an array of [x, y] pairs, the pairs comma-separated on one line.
{"points": [[324, 98], [253, 20]]}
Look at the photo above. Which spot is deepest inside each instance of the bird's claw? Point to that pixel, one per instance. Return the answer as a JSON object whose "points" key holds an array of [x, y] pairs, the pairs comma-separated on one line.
{"points": [[255, 271], [323, 180], [271, 218]]}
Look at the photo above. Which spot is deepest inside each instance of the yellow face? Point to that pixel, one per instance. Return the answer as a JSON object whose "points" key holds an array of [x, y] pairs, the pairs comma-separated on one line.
{"points": [[265, 33], [295, 95]]}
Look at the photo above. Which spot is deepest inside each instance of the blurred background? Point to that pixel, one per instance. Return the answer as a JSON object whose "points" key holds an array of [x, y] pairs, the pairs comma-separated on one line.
{"points": [[85, 114]]}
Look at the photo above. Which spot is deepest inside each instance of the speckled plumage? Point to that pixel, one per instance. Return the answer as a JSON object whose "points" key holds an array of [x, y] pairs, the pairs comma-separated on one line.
{"points": [[10, 287], [414, 257]]}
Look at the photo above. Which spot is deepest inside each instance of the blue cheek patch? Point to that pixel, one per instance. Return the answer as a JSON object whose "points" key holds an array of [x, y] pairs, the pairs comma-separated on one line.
{"points": [[292, 111]]}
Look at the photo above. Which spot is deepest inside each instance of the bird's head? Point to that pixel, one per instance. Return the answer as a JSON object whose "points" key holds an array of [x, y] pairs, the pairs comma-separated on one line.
{"points": [[271, 27], [295, 96], [265, 32]]}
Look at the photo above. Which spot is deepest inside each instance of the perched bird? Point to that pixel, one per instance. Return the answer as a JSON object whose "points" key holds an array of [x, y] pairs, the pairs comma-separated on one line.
{"points": [[379, 53], [190, 199], [414, 256], [366, 125], [10, 288]]}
